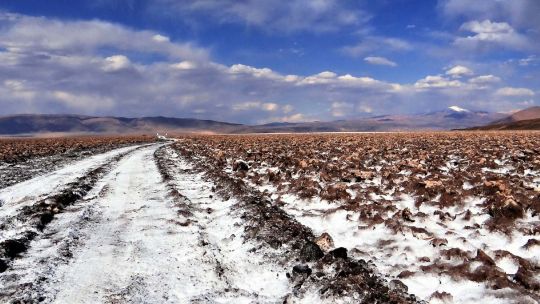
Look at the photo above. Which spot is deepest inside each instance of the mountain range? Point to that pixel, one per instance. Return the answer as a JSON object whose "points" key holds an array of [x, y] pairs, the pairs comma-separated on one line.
{"points": [[451, 118], [527, 119], [45, 123]]}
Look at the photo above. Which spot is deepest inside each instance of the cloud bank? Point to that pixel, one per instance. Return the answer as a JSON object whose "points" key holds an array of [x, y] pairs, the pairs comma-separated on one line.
{"points": [[48, 66]]}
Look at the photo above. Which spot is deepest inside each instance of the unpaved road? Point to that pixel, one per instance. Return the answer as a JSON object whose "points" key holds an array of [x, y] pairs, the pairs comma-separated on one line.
{"points": [[141, 225], [128, 240]]}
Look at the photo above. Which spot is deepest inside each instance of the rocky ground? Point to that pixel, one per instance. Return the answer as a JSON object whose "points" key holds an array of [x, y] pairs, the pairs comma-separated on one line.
{"points": [[453, 216], [143, 224], [335, 218], [24, 158]]}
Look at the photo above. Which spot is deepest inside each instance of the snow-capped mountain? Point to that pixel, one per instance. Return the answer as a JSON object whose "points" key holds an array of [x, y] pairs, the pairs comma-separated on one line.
{"points": [[458, 109]]}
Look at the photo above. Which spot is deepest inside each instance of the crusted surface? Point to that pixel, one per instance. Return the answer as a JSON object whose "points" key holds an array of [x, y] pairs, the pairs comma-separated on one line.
{"points": [[332, 275], [24, 158], [461, 208]]}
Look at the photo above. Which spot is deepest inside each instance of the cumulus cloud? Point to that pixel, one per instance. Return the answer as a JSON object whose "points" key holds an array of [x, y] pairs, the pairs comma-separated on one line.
{"points": [[380, 61], [513, 24], [437, 81], [49, 72], [321, 78], [161, 38], [520, 13], [116, 63], [459, 71], [38, 34], [255, 72], [184, 65], [486, 34]]}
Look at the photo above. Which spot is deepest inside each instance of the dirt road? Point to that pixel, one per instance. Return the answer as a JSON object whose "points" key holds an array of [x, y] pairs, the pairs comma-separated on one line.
{"points": [[141, 225], [127, 241]]}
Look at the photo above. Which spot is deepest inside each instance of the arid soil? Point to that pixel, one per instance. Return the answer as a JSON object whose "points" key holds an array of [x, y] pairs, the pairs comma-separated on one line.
{"points": [[453, 216], [24, 158], [322, 218], [146, 224]]}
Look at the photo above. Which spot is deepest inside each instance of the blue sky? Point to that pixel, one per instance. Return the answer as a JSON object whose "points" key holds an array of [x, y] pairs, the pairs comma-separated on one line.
{"points": [[261, 61]]}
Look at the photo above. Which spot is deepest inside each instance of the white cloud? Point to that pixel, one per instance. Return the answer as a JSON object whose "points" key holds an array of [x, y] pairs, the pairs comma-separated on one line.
{"points": [[56, 75], [256, 105], [39, 34], [298, 117], [321, 78], [488, 34], [160, 38], [514, 92], [459, 71], [519, 13], [437, 82], [349, 80], [485, 79], [249, 70], [488, 30], [270, 106], [380, 61], [184, 65], [116, 63]]}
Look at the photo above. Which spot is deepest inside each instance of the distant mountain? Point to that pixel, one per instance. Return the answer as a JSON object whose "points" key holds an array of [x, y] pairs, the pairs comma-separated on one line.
{"points": [[451, 118], [526, 114], [528, 124], [527, 119], [33, 124]]}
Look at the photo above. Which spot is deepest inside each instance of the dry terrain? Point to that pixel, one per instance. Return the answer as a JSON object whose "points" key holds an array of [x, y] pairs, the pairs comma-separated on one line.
{"points": [[290, 218], [23, 158], [454, 216]]}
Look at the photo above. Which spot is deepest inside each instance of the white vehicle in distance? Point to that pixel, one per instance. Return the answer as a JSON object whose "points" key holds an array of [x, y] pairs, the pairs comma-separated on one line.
{"points": [[163, 137]]}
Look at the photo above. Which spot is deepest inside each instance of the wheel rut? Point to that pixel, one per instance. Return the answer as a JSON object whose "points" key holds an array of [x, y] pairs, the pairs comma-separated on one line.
{"points": [[134, 237]]}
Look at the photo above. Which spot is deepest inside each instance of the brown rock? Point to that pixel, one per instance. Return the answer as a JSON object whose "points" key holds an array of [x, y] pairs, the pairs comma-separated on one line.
{"points": [[325, 242], [429, 184], [362, 175], [406, 214], [526, 278]]}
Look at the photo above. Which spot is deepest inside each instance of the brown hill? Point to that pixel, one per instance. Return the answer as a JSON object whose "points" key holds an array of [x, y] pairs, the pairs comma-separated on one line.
{"points": [[448, 119], [529, 124], [526, 114], [39, 124], [451, 118], [527, 119]]}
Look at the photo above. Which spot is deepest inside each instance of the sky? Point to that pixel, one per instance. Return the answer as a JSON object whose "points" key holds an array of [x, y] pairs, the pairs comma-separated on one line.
{"points": [[261, 61]]}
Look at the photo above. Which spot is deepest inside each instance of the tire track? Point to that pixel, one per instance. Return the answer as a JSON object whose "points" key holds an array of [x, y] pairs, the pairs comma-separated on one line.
{"points": [[20, 228]]}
